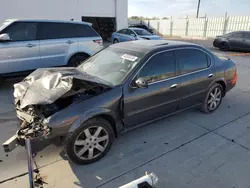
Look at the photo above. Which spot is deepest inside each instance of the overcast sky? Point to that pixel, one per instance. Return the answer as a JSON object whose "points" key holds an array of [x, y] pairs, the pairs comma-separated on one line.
{"points": [[180, 8]]}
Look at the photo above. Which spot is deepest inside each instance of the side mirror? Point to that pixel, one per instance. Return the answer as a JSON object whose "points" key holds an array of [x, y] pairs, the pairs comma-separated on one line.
{"points": [[141, 83], [4, 37], [133, 35]]}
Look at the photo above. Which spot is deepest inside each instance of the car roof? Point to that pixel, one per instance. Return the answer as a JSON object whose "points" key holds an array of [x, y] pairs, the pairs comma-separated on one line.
{"points": [[146, 46], [49, 21]]}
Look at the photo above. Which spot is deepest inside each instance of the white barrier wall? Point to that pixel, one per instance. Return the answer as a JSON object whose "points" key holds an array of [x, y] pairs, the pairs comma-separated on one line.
{"points": [[196, 27], [179, 27], [215, 26], [236, 23], [201, 27]]}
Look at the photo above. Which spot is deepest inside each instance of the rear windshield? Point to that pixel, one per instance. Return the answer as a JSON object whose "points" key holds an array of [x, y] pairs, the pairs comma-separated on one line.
{"points": [[141, 32], [112, 64]]}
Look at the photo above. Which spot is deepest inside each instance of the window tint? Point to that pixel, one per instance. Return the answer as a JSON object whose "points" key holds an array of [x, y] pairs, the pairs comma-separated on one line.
{"points": [[122, 31], [190, 60], [142, 32], [237, 35], [81, 30], [64, 30], [159, 67], [22, 31], [247, 36], [129, 32]]}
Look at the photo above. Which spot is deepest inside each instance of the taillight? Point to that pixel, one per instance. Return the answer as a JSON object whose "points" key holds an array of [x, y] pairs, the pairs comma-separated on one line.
{"points": [[234, 80], [98, 41]]}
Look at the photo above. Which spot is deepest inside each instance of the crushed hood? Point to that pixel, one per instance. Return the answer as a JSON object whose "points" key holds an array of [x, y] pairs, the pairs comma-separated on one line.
{"points": [[46, 85]]}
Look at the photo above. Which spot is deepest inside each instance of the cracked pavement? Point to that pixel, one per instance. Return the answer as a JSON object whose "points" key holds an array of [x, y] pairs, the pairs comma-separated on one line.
{"points": [[190, 149]]}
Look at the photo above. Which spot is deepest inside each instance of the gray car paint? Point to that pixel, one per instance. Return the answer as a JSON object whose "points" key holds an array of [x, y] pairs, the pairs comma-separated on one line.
{"points": [[125, 107]]}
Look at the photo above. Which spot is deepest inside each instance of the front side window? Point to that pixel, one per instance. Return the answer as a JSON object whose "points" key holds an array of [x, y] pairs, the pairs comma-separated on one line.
{"points": [[22, 31], [112, 65], [190, 60], [159, 67], [237, 35], [247, 36]]}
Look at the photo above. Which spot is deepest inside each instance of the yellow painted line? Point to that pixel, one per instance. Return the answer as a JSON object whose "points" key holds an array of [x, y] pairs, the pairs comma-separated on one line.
{"points": [[238, 54]]}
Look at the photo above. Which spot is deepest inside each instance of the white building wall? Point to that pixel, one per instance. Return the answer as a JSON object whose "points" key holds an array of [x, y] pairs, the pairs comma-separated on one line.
{"points": [[65, 9]]}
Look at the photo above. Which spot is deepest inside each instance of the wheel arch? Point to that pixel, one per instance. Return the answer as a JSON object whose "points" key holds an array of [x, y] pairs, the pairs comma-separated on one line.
{"points": [[104, 113], [77, 54], [222, 82]]}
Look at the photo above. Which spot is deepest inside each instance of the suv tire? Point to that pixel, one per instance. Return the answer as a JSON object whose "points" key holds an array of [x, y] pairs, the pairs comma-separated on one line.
{"points": [[77, 60], [90, 142]]}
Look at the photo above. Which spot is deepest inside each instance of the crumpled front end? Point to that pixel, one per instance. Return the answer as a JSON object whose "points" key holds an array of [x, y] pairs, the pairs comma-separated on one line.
{"points": [[47, 91]]}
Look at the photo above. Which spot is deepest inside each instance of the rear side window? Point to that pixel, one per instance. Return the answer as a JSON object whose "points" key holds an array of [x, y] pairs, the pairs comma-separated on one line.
{"points": [[159, 67], [81, 30], [64, 30], [122, 31], [190, 60], [22, 31]]}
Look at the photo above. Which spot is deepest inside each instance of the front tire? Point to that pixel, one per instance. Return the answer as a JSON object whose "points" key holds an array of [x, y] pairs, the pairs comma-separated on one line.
{"points": [[213, 99], [115, 41], [90, 142], [224, 46]]}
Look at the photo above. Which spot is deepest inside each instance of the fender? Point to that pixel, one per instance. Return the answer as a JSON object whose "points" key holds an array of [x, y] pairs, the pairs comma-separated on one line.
{"points": [[90, 114], [218, 80]]}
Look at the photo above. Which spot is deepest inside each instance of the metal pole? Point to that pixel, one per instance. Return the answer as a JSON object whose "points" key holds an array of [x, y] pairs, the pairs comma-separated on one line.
{"points": [[30, 162], [198, 9]]}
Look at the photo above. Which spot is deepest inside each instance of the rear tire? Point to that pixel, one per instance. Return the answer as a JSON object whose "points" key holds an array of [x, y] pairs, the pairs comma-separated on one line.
{"points": [[77, 60], [115, 41], [213, 99], [90, 142]]}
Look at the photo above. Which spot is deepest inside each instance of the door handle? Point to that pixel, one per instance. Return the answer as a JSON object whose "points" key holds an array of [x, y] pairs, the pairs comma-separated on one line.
{"points": [[210, 75], [30, 45], [70, 41], [173, 86]]}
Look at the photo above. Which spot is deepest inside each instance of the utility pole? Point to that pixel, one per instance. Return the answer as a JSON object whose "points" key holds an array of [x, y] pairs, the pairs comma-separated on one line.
{"points": [[198, 8]]}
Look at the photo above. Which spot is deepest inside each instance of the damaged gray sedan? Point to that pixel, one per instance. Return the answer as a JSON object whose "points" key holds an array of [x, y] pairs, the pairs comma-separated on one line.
{"points": [[119, 88]]}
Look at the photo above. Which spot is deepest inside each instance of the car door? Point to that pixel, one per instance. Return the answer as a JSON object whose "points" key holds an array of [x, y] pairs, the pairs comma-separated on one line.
{"points": [[247, 41], [236, 40], [159, 98], [21, 53], [130, 34], [195, 69], [56, 43]]}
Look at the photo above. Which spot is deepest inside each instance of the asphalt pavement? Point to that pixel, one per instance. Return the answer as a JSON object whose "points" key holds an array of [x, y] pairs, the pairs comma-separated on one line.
{"points": [[190, 149]]}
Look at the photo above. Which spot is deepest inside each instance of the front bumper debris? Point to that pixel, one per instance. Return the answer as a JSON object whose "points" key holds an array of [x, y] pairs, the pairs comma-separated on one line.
{"points": [[11, 144]]}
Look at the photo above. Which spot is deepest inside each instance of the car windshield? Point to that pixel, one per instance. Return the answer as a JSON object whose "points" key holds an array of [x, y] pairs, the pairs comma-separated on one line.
{"points": [[141, 32], [4, 24], [112, 64]]}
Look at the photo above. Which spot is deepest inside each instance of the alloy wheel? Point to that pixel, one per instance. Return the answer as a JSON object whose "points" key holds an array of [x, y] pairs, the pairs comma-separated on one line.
{"points": [[214, 98], [91, 143]]}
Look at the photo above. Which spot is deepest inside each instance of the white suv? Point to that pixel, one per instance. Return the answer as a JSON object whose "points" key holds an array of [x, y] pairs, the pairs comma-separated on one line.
{"points": [[26, 45]]}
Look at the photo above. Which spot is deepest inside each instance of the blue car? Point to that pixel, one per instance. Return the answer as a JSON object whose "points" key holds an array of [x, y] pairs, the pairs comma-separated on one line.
{"points": [[129, 34]]}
